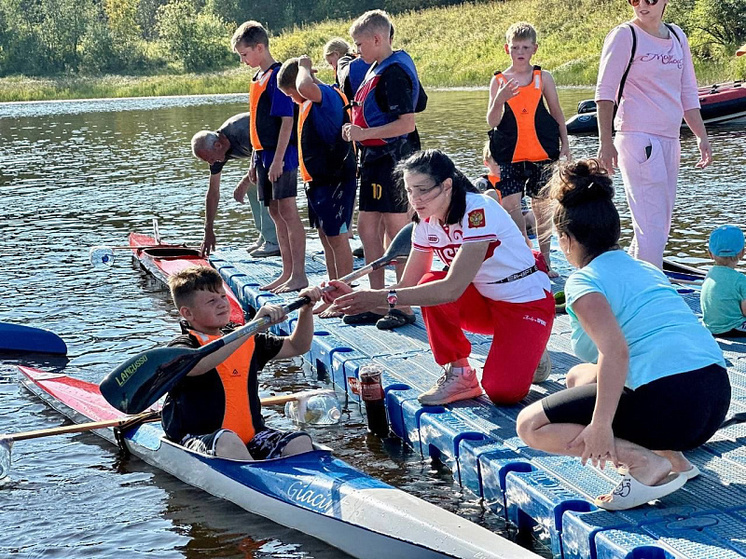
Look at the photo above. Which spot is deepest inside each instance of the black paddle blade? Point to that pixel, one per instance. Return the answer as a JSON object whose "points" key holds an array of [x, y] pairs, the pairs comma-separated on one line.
{"points": [[140, 381]]}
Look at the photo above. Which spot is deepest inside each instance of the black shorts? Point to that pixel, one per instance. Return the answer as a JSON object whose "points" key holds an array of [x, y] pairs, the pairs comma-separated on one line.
{"points": [[379, 191], [331, 203], [284, 187], [678, 412], [525, 177]]}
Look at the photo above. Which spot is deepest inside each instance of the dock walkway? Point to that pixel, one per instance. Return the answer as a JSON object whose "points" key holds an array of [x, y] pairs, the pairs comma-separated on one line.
{"points": [[706, 519]]}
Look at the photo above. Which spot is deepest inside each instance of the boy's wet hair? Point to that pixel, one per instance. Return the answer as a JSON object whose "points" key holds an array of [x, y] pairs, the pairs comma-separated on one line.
{"points": [[338, 46], [585, 208], [185, 283], [439, 167], [487, 152], [371, 22], [287, 74], [250, 34], [521, 31]]}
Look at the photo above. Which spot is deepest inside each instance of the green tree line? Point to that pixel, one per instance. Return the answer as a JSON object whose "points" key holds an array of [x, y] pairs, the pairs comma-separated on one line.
{"points": [[89, 37], [148, 37]]}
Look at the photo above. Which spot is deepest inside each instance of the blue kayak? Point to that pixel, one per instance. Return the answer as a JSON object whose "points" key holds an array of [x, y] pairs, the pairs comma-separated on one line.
{"points": [[16, 338], [313, 492]]}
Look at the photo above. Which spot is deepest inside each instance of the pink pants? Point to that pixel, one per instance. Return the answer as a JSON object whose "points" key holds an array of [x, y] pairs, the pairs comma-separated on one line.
{"points": [[650, 185], [520, 334]]}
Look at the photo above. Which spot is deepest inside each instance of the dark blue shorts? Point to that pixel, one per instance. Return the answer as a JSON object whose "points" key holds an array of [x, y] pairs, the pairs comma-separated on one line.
{"points": [[525, 177], [330, 205]]}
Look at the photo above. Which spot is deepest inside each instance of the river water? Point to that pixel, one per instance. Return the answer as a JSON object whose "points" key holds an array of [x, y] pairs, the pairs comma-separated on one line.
{"points": [[78, 174]]}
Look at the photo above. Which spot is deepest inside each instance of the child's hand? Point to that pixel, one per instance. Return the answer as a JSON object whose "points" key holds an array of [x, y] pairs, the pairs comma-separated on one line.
{"points": [[313, 293], [352, 133], [275, 171], [334, 289], [305, 62], [507, 91], [275, 313]]}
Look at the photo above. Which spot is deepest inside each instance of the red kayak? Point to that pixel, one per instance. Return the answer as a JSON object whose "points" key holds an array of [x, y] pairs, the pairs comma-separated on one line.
{"points": [[720, 102], [163, 260]]}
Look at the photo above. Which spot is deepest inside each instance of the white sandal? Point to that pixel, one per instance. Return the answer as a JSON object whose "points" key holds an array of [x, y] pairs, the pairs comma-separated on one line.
{"points": [[630, 493]]}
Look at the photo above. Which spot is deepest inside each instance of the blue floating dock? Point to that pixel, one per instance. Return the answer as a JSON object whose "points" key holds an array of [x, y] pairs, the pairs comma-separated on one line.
{"points": [[477, 440]]}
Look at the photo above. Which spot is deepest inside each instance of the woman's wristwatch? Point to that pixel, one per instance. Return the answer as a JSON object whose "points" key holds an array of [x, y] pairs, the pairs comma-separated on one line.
{"points": [[392, 298]]}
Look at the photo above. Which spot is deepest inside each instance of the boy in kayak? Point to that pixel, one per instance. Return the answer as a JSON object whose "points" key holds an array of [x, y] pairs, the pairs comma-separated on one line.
{"points": [[275, 163], [327, 162], [723, 295], [215, 409], [526, 138]]}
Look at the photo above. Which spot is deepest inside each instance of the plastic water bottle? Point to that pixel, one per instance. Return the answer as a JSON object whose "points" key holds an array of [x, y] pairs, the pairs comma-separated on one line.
{"points": [[101, 256], [5, 444], [371, 392], [318, 409]]}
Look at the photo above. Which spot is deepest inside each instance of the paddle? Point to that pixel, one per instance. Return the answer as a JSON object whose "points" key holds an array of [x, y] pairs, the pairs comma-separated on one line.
{"points": [[320, 407], [141, 380], [19, 338], [6, 441]]}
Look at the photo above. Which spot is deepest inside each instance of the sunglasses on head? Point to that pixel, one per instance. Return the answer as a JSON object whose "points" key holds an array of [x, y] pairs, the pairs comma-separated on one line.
{"points": [[636, 3]]}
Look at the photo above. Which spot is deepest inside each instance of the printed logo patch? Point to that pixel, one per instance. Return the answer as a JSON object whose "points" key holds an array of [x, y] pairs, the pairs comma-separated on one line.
{"points": [[476, 219], [432, 238]]}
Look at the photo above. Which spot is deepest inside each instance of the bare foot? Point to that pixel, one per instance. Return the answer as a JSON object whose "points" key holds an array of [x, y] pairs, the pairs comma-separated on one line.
{"points": [[653, 472], [679, 462], [321, 307], [329, 313], [291, 285], [274, 284]]}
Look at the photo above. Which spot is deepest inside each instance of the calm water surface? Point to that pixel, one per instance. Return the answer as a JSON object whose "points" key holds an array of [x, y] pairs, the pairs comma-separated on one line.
{"points": [[77, 174]]}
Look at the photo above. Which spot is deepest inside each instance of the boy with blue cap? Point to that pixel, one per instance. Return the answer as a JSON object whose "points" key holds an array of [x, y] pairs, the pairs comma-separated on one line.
{"points": [[723, 295]]}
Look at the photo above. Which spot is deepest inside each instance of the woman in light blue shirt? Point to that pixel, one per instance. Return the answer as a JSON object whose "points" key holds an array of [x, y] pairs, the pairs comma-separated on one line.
{"points": [[654, 383]]}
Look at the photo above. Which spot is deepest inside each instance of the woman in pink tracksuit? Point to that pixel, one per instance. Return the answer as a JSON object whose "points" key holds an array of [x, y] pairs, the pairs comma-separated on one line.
{"points": [[659, 90]]}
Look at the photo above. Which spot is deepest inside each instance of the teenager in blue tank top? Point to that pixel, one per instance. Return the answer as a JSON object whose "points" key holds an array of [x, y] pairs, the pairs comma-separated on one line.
{"points": [[654, 383]]}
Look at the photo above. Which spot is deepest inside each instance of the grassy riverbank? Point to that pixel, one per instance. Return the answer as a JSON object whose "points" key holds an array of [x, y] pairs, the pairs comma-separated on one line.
{"points": [[454, 46]]}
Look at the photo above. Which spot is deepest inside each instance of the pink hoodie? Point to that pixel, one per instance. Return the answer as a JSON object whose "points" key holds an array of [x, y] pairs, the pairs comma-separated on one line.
{"points": [[660, 86]]}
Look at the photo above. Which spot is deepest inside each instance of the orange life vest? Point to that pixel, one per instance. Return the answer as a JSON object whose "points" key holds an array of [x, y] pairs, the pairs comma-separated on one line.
{"points": [[234, 375], [527, 132], [264, 128], [315, 157], [493, 180]]}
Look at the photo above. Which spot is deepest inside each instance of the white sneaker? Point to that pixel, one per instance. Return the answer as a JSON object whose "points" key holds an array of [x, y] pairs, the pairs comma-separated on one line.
{"points": [[452, 387], [544, 369]]}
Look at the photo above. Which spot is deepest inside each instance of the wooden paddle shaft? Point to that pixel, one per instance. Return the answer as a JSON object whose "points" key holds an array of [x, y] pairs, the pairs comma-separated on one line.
{"points": [[77, 428], [147, 418]]}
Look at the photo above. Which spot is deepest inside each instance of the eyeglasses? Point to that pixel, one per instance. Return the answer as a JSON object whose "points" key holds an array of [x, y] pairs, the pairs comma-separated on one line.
{"points": [[636, 3], [420, 193]]}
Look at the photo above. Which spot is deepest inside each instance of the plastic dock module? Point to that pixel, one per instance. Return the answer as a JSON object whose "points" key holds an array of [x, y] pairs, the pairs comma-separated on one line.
{"points": [[477, 440]]}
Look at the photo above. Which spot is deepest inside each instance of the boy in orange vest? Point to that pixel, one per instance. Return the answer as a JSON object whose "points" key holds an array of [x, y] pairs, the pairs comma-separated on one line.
{"points": [[516, 111], [327, 162], [275, 163], [215, 409]]}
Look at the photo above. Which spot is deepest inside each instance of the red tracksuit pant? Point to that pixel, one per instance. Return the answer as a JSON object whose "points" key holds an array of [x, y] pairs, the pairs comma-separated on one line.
{"points": [[520, 334]]}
